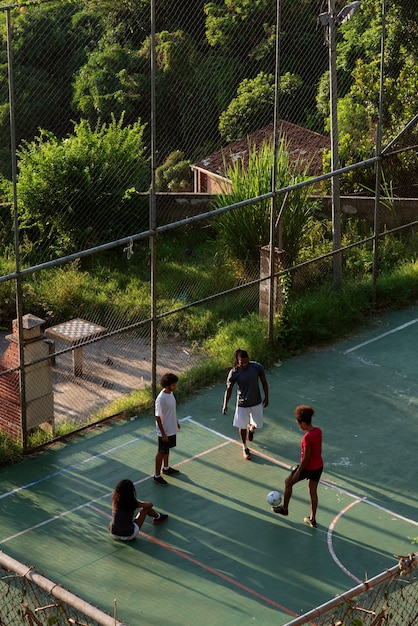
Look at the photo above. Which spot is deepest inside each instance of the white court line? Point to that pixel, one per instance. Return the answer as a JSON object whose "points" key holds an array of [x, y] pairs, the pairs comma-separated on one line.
{"points": [[330, 544], [79, 464], [228, 440], [90, 503], [389, 332]]}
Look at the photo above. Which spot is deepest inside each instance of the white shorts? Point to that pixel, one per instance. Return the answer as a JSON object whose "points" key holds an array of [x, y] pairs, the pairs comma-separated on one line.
{"points": [[134, 534], [248, 416]]}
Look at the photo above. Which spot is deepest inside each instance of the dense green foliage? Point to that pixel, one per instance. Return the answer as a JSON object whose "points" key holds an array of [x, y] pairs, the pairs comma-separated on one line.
{"points": [[358, 59], [174, 174], [252, 107], [84, 177]]}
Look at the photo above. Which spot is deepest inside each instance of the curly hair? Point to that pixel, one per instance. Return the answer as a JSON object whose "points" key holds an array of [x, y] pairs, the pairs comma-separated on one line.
{"points": [[304, 413], [168, 379]]}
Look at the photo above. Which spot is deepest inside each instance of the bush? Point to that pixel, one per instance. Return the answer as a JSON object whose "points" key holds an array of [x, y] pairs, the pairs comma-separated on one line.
{"points": [[67, 187]]}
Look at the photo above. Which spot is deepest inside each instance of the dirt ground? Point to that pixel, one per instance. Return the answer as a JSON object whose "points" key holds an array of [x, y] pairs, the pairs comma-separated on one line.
{"points": [[112, 368]]}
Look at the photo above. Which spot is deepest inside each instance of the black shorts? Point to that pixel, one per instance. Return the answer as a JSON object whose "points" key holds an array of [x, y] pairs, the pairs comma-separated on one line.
{"points": [[314, 475], [164, 446]]}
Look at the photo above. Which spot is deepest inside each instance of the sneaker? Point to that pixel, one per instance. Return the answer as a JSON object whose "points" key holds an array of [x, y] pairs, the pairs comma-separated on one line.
{"points": [[251, 433], [160, 480], [311, 523], [280, 510], [170, 471], [246, 454], [162, 517]]}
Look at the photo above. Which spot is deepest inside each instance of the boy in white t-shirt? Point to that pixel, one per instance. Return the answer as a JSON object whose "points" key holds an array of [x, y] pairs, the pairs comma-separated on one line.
{"points": [[167, 427]]}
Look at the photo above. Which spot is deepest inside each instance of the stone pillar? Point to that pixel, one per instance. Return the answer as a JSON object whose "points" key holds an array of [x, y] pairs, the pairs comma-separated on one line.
{"points": [[39, 397], [265, 284]]}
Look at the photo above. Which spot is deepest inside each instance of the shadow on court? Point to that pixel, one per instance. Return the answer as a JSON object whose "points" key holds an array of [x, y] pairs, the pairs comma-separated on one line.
{"points": [[223, 557]]}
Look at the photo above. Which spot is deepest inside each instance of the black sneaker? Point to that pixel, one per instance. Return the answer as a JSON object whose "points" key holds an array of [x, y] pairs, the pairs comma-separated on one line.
{"points": [[170, 471], [251, 434], [162, 517], [280, 510], [310, 522], [160, 480], [246, 454]]}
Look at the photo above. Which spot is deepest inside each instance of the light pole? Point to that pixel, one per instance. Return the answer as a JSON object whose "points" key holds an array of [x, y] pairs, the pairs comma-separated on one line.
{"points": [[332, 20]]}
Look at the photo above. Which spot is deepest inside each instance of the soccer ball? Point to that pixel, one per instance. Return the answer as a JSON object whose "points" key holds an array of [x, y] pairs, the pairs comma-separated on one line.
{"points": [[274, 498]]}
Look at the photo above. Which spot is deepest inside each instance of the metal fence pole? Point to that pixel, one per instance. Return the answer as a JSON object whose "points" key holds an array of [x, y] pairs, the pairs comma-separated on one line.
{"points": [[273, 210], [378, 164], [152, 214], [18, 280]]}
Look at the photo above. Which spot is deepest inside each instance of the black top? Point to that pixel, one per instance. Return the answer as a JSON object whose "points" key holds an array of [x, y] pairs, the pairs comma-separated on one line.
{"points": [[122, 521]]}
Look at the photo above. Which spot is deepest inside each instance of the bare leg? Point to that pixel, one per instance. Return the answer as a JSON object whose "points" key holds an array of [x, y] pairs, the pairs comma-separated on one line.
{"points": [[243, 434], [288, 490], [158, 462], [245, 451], [313, 494], [143, 512]]}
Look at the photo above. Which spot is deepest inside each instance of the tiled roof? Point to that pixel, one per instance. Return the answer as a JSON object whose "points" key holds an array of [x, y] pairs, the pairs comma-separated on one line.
{"points": [[303, 144]]}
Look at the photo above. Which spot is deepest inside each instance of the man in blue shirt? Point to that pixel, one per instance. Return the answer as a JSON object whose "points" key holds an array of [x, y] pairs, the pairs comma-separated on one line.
{"points": [[249, 408]]}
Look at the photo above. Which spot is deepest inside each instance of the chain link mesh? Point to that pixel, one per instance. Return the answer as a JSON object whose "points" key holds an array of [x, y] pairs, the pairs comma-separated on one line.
{"points": [[388, 599], [75, 103], [29, 598]]}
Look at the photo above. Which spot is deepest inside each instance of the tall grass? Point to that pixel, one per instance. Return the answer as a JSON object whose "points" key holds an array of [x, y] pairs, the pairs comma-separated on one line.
{"points": [[243, 231], [314, 314]]}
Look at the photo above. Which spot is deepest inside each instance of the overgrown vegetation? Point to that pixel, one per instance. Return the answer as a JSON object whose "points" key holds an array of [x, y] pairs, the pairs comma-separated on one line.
{"points": [[242, 231], [313, 313], [94, 172]]}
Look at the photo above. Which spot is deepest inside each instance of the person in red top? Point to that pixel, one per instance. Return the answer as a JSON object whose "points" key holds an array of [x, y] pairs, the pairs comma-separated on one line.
{"points": [[310, 466]]}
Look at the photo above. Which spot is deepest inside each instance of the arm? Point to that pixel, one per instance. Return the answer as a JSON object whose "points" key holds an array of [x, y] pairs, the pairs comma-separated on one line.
{"points": [[265, 389], [161, 427], [227, 396], [303, 463]]}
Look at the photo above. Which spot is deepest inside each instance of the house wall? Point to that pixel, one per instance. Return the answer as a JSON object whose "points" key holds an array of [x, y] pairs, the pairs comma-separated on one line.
{"points": [[175, 206]]}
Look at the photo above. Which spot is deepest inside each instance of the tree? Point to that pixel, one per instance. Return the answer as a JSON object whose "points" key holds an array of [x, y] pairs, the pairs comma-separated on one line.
{"points": [[76, 193], [174, 174], [112, 82], [46, 52], [253, 107], [358, 61]]}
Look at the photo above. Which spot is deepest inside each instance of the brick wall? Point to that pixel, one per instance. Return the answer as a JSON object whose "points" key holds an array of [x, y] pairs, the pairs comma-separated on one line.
{"points": [[10, 417]]}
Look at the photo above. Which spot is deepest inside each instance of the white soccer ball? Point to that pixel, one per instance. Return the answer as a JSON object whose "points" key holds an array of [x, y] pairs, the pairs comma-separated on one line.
{"points": [[274, 498]]}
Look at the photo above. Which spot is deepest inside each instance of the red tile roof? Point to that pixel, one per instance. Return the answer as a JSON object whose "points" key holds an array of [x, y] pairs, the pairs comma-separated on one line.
{"points": [[304, 144]]}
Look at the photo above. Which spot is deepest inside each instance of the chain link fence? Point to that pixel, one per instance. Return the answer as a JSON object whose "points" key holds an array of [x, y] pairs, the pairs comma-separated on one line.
{"points": [[27, 597], [99, 104], [389, 598], [111, 116]]}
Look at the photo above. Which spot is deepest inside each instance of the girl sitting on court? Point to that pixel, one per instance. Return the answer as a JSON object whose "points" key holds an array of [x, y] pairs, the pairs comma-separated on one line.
{"points": [[124, 525]]}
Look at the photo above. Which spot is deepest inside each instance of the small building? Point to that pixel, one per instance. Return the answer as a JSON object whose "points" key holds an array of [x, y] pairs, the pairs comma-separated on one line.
{"points": [[306, 145]]}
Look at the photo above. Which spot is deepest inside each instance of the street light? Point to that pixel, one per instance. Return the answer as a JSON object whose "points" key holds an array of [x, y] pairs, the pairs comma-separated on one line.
{"points": [[332, 21]]}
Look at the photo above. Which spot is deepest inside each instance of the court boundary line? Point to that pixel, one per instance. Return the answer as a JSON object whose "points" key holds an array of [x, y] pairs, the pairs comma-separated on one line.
{"points": [[330, 544], [208, 568], [227, 439], [389, 332], [68, 468]]}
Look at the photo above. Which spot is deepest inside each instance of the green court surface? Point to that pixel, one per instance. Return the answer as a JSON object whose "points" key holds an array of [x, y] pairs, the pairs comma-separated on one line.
{"points": [[223, 557]]}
